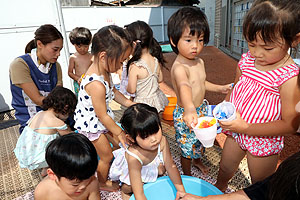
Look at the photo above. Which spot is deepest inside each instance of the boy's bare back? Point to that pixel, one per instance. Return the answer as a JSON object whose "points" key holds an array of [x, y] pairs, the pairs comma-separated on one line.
{"points": [[188, 73], [49, 189]]}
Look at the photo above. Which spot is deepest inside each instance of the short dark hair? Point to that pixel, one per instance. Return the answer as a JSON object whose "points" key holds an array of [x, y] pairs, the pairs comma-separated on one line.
{"points": [[272, 19], [140, 120], [187, 17], [46, 33], [72, 156], [62, 100], [80, 36]]}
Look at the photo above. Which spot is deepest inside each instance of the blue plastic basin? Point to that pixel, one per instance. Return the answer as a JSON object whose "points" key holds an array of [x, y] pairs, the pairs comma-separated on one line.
{"points": [[163, 188]]}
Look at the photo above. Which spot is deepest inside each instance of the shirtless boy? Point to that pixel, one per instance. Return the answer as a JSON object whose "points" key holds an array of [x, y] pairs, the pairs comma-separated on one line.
{"points": [[72, 161], [80, 61], [188, 32]]}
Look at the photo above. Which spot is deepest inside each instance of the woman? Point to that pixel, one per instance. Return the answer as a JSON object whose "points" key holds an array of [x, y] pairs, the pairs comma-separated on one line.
{"points": [[35, 74]]}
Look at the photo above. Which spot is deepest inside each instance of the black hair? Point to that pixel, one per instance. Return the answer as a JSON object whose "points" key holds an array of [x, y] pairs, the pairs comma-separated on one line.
{"points": [[62, 100], [272, 20], [285, 182], [140, 120], [187, 17], [46, 34], [80, 36], [72, 156], [113, 40], [142, 34]]}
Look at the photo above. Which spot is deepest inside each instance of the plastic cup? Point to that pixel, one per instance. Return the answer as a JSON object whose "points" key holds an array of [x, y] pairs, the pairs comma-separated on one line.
{"points": [[225, 111], [208, 135]]}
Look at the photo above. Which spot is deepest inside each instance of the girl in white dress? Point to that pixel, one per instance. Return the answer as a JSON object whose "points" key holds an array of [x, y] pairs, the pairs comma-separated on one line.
{"points": [[148, 157], [110, 47]]}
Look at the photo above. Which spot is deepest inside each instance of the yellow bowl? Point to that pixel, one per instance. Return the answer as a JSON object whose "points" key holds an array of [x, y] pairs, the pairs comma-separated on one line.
{"points": [[168, 112]]}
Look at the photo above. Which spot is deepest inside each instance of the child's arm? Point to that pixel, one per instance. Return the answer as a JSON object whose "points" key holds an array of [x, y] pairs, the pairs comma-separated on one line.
{"points": [[97, 92], [121, 99], [160, 75], [238, 74], [132, 78], [290, 95], [238, 195], [218, 88], [170, 165], [71, 69], [185, 95], [135, 167], [94, 189]]}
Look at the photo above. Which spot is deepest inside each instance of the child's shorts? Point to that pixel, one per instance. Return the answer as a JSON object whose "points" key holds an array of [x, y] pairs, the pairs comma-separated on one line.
{"points": [[76, 88], [92, 136], [190, 146], [259, 146]]}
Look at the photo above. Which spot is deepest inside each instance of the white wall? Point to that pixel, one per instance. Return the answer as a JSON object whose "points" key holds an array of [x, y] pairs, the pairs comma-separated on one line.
{"points": [[19, 20], [97, 17], [210, 8]]}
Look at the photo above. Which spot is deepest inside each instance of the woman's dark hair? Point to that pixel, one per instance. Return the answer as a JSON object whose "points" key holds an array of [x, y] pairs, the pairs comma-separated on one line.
{"points": [[46, 34], [62, 100], [111, 39], [72, 156], [142, 34], [140, 120], [285, 182], [272, 20], [80, 36], [187, 17]]}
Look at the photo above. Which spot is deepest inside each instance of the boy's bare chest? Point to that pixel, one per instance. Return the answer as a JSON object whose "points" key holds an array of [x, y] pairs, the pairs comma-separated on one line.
{"points": [[196, 76], [82, 62]]}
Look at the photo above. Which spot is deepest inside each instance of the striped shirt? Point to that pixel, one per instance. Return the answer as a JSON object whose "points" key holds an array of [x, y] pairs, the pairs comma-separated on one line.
{"points": [[257, 97]]}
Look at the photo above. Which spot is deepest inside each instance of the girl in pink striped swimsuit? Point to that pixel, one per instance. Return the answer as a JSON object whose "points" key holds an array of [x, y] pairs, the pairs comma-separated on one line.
{"points": [[265, 93]]}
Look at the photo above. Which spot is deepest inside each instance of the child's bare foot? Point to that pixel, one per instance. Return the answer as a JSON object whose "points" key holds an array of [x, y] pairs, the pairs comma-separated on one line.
{"points": [[204, 169], [109, 186]]}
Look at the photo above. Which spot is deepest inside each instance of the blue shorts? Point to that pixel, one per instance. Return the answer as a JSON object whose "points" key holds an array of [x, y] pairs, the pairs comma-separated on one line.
{"points": [[76, 88], [190, 146]]}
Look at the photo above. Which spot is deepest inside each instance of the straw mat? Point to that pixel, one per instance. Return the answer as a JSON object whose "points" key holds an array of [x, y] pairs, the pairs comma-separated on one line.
{"points": [[18, 183]]}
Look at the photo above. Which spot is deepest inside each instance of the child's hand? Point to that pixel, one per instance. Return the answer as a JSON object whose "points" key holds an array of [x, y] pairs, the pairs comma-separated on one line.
{"points": [[226, 88], [186, 196], [79, 80], [122, 138], [190, 119], [237, 126]]}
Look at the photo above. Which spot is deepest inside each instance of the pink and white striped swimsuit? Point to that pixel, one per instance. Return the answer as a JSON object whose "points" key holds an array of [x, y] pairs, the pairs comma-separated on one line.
{"points": [[256, 96]]}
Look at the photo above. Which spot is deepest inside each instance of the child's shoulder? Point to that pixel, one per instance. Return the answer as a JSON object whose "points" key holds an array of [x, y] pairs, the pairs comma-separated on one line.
{"points": [[47, 119], [163, 143], [94, 185], [45, 188]]}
